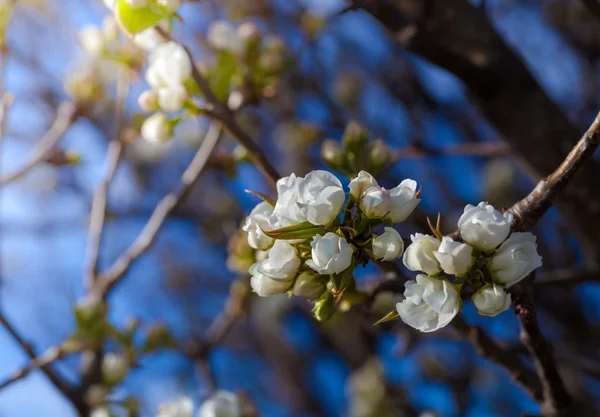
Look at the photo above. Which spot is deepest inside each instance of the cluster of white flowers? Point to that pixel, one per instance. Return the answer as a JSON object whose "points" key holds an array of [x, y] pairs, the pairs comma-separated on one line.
{"points": [[309, 208], [489, 254], [219, 404]]}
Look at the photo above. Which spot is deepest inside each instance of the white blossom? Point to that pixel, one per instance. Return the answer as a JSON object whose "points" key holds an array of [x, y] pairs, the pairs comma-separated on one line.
{"points": [[282, 262], [222, 36], [287, 212], [361, 183], [114, 368], [172, 98], [221, 404], [403, 200], [157, 129], [100, 412], [376, 202], [308, 285], [183, 407], [430, 303], [149, 39], [483, 226], [388, 246], [148, 100], [264, 286], [331, 254], [419, 256], [321, 197], [455, 258], [256, 223], [170, 65], [516, 258], [491, 300], [92, 40]]}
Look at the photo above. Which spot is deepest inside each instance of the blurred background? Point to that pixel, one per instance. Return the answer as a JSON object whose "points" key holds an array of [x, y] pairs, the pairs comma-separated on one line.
{"points": [[477, 100]]}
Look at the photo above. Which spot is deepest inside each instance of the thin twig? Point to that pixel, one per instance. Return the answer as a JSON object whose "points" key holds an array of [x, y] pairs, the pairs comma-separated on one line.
{"points": [[484, 149], [511, 363], [98, 211], [107, 280], [593, 6], [66, 116], [42, 363], [224, 114], [567, 276], [556, 399], [531, 208]]}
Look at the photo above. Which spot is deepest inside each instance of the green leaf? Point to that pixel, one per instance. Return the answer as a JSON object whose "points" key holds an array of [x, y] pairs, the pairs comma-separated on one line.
{"points": [[136, 20], [388, 317], [263, 197], [219, 77], [303, 230]]}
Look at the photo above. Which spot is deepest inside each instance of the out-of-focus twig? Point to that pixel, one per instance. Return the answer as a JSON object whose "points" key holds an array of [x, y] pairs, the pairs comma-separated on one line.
{"points": [[66, 116], [98, 212], [556, 400], [221, 112], [464, 149], [593, 6], [567, 276], [107, 280], [511, 363]]}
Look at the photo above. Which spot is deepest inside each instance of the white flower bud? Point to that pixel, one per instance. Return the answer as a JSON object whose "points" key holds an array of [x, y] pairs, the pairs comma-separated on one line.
{"points": [[331, 254], [430, 303], [455, 258], [148, 100], [248, 32], [282, 262], [491, 300], [403, 200], [92, 40], [419, 256], [516, 258], [172, 98], [483, 226], [332, 153], [148, 39], [264, 286], [100, 412], [221, 404], [183, 407], [376, 202], [171, 5], [114, 368], [379, 154], [361, 183], [309, 285], [321, 197], [222, 36], [388, 246], [157, 129], [256, 223], [170, 65]]}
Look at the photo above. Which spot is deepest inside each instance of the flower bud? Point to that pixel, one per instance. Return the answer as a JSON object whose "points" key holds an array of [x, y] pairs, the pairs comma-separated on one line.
{"points": [[157, 129], [455, 258], [92, 40], [148, 100], [332, 153], [419, 256], [172, 98], [491, 300], [331, 254], [274, 44], [360, 184], [248, 32], [516, 258], [271, 62], [355, 135], [222, 36], [309, 285], [114, 368], [324, 307], [379, 155], [388, 246], [376, 202], [483, 226], [221, 404]]}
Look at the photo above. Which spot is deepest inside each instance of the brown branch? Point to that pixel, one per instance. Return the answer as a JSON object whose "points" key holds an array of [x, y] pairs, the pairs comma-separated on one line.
{"points": [[593, 6], [567, 276], [66, 116], [485, 149], [98, 211], [556, 400], [42, 363], [222, 113], [107, 280], [492, 351], [531, 208]]}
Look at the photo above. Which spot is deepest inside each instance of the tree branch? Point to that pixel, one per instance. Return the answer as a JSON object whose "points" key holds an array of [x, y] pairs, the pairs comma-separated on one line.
{"points": [[107, 280], [67, 115], [556, 400], [222, 113], [464, 149], [511, 363]]}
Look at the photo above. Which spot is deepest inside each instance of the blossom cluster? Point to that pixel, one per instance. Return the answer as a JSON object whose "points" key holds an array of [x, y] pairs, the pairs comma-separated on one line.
{"points": [[490, 259], [309, 208]]}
